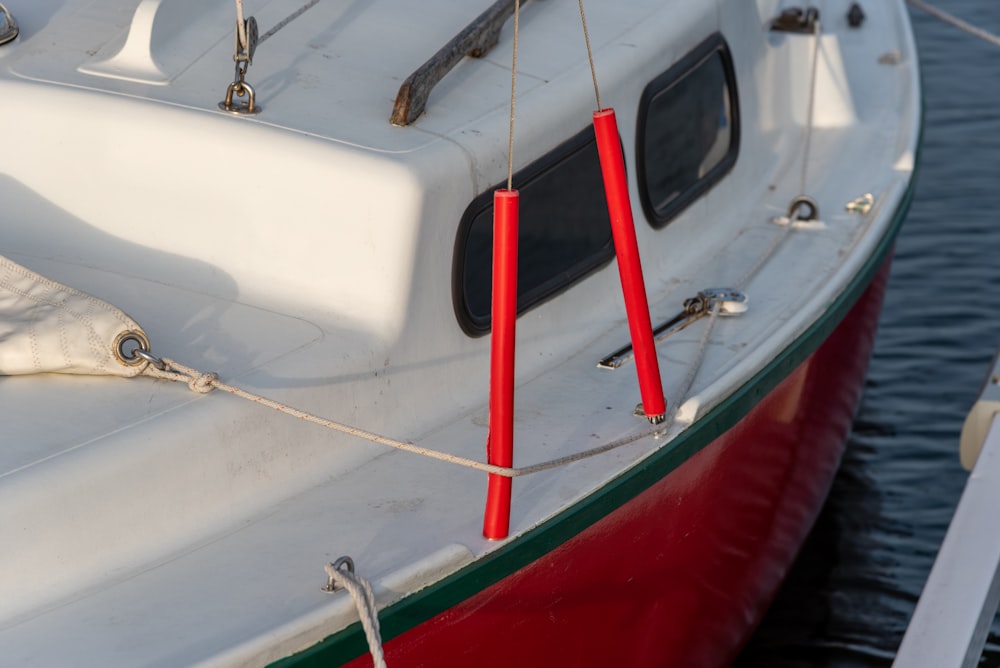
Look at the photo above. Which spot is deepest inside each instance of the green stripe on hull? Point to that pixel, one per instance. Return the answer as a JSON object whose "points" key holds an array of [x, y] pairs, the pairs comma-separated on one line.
{"points": [[426, 604]]}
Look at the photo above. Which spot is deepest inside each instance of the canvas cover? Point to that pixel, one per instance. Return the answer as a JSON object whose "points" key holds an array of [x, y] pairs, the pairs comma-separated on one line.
{"points": [[47, 327]]}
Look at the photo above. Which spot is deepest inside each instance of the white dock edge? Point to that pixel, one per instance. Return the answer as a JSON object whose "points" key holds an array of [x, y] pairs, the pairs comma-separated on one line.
{"points": [[959, 601]]}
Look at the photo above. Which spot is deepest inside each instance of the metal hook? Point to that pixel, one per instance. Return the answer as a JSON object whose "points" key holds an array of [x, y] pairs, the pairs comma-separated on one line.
{"points": [[338, 565]]}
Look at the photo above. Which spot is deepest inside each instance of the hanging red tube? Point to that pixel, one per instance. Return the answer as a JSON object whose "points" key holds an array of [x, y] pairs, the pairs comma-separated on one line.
{"points": [[500, 439], [629, 268]]}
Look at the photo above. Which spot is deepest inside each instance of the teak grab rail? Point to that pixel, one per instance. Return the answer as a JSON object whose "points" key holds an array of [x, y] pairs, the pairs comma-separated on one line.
{"points": [[475, 40]]}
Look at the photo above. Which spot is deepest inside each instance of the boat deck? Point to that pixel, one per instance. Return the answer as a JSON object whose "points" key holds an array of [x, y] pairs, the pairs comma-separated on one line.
{"points": [[305, 254]]}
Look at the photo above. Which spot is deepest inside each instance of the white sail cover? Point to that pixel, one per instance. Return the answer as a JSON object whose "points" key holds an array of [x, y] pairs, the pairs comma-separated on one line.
{"points": [[46, 327]]}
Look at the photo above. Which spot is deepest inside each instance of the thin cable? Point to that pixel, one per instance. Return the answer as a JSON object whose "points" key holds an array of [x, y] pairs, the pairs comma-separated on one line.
{"points": [[513, 96], [285, 21], [811, 108], [590, 55], [242, 40]]}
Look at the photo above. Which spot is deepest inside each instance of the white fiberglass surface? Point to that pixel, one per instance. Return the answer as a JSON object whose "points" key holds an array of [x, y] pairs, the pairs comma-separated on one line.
{"points": [[175, 510], [332, 46]]}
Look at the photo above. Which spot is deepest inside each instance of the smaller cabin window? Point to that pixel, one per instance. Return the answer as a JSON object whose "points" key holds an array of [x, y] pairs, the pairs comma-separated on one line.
{"points": [[688, 130], [564, 233]]}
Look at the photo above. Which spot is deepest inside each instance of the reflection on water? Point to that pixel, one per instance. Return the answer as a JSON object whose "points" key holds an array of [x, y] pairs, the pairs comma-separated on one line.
{"points": [[848, 599]]}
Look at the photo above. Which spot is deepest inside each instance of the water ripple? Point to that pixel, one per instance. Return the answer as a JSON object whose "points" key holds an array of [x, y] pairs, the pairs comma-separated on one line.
{"points": [[849, 597]]}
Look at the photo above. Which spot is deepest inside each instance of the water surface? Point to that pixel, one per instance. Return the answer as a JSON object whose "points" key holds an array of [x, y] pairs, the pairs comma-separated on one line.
{"points": [[848, 599]]}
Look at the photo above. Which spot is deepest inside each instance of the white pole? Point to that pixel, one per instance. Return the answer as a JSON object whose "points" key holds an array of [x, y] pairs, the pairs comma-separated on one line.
{"points": [[956, 609]]}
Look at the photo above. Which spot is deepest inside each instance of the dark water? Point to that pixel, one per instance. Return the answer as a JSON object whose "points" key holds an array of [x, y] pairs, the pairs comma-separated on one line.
{"points": [[852, 592]]}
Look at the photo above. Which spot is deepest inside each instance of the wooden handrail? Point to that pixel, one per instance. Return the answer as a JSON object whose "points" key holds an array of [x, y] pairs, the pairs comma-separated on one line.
{"points": [[475, 40]]}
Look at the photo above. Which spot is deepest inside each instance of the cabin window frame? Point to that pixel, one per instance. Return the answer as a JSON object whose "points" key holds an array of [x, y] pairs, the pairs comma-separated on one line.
{"points": [[714, 46], [475, 324]]}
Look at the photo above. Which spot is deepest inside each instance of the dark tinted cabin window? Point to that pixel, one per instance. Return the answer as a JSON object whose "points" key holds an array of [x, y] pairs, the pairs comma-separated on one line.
{"points": [[688, 130], [563, 234]]}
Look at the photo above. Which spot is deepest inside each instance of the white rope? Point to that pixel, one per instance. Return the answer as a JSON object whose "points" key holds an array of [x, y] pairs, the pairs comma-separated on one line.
{"points": [[206, 382], [242, 41], [364, 600], [956, 22], [203, 383], [692, 373]]}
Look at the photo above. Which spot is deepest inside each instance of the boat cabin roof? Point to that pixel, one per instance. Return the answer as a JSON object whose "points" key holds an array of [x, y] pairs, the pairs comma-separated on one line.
{"points": [[333, 69]]}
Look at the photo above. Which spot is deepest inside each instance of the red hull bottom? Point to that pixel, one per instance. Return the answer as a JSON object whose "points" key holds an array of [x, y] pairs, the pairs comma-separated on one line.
{"points": [[681, 574]]}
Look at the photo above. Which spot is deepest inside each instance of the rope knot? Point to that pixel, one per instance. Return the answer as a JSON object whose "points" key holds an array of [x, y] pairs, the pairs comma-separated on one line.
{"points": [[203, 383]]}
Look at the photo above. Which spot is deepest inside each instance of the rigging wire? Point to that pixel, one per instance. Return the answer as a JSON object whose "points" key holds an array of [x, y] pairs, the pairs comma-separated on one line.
{"points": [[241, 32], [956, 22], [513, 95], [810, 108], [590, 54], [288, 19]]}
